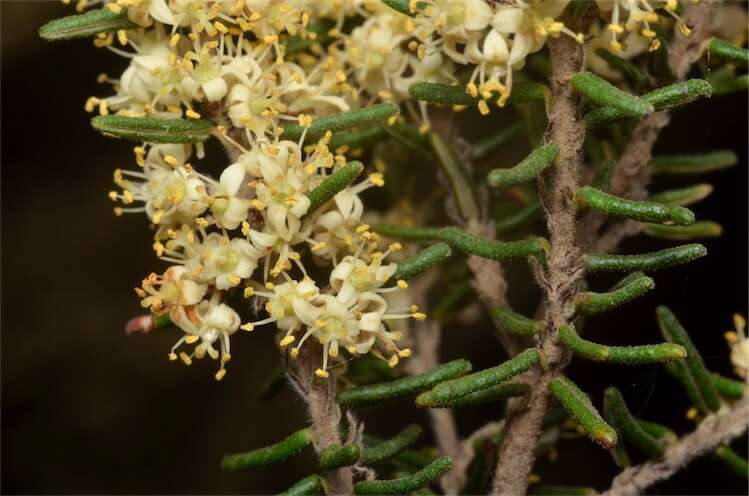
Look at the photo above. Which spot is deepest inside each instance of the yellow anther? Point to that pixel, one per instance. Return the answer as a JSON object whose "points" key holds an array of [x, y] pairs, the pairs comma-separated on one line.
{"points": [[395, 246], [405, 353], [731, 337], [533, 478], [158, 248], [616, 46], [685, 30], [171, 160], [122, 37], [91, 104], [671, 5], [377, 179], [249, 326], [340, 76], [654, 45], [257, 204], [615, 28], [172, 357], [112, 195], [648, 33], [201, 222], [319, 246], [117, 211], [739, 322], [294, 352], [191, 338], [248, 292], [472, 89], [270, 285], [185, 358], [419, 315], [220, 27], [305, 120], [393, 361], [392, 120], [113, 7], [424, 128], [362, 228], [192, 114], [402, 284], [323, 374], [692, 413], [234, 280], [483, 107], [287, 341], [220, 374]]}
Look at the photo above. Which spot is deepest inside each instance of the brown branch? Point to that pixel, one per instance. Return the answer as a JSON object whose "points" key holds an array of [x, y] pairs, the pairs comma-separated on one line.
{"points": [[324, 413], [561, 279], [714, 430]]}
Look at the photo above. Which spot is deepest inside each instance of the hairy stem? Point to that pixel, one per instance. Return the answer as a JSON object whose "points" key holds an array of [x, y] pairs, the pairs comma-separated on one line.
{"points": [[714, 430], [560, 281]]}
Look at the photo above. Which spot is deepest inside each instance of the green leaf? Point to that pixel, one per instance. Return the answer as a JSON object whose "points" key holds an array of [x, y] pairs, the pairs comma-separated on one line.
{"points": [[522, 217], [683, 196], [726, 86], [672, 330], [699, 230], [403, 485], [738, 464], [484, 147], [269, 455], [579, 406], [491, 249], [694, 163], [491, 394], [308, 486], [407, 233], [334, 184], [84, 25], [275, 383], [450, 391], [661, 99], [387, 449], [522, 92], [407, 386], [606, 94], [358, 139], [527, 170], [450, 304], [456, 176], [151, 130], [680, 371], [364, 117], [643, 211], [729, 52], [591, 303], [426, 259], [517, 324], [619, 416], [645, 261], [658, 431], [629, 70], [626, 355], [336, 456], [729, 388]]}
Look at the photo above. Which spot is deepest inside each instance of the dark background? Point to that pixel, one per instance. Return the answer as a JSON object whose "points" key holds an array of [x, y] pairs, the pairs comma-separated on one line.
{"points": [[86, 409]]}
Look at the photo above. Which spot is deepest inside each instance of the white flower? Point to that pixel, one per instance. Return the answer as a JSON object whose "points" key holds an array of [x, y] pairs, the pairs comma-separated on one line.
{"points": [[225, 262], [205, 79], [228, 209], [207, 322], [176, 287], [739, 344], [280, 304]]}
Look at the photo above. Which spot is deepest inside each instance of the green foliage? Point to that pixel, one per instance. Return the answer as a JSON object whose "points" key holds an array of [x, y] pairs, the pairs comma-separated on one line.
{"points": [[336, 456], [308, 486], [738, 464], [386, 450], [519, 219], [407, 386], [522, 92], [406, 484], [358, 138], [364, 117], [515, 323], [619, 416], [627, 68], [488, 248], [491, 394], [645, 261], [606, 94], [643, 211], [579, 406], [694, 163], [729, 52], [527, 170], [334, 184], [683, 196], [699, 230], [694, 370], [626, 355], [153, 130], [269, 455], [425, 259], [729, 388], [591, 303], [91, 23], [485, 147], [456, 176]]}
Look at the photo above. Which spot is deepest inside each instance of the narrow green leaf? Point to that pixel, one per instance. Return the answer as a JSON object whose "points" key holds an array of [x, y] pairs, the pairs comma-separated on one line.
{"points": [[358, 138], [517, 324], [699, 230], [491, 394], [553, 490], [661, 99], [729, 52], [590, 303], [461, 190], [84, 25], [410, 137], [269, 455], [494, 250], [522, 217], [403, 485], [629, 70], [274, 384], [672, 330], [579, 406], [334, 184], [153, 130], [606, 94], [387, 449], [626, 355], [364, 117], [643, 211], [336, 456], [681, 373], [485, 147], [407, 386], [527, 170], [619, 416], [407, 233], [726, 86], [450, 304], [729, 388], [645, 261], [694, 163], [309, 486], [452, 390], [659, 431], [683, 196], [426, 259], [522, 92], [738, 464]]}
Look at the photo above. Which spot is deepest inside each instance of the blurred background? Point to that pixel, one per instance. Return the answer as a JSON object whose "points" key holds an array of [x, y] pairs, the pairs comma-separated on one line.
{"points": [[87, 409]]}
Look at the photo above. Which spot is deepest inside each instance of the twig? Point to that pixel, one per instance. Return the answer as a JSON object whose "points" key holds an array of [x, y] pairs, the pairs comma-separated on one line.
{"points": [[561, 279], [714, 430]]}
